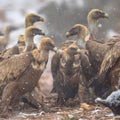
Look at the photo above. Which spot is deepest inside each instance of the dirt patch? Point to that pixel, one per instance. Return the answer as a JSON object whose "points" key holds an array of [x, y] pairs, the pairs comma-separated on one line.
{"points": [[72, 111]]}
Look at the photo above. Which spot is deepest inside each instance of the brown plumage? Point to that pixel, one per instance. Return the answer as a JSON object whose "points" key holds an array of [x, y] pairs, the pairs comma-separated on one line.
{"points": [[20, 73], [110, 68], [4, 39], [30, 32], [105, 61], [96, 50], [66, 71], [30, 19]]}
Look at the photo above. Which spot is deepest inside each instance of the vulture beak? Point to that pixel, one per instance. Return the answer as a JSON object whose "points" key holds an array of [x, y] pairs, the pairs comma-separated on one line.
{"points": [[78, 50], [55, 49], [106, 15], [43, 33], [67, 34]]}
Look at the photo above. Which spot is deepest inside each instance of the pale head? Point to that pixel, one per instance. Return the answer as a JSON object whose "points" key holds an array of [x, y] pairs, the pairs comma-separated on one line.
{"points": [[31, 18], [32, 31], [80, 30], [93, 17]]}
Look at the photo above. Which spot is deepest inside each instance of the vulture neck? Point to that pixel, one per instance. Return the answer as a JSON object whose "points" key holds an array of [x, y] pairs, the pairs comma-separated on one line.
{"points": [[92, 26], [28, 23], [80, 41], [28, 43]]}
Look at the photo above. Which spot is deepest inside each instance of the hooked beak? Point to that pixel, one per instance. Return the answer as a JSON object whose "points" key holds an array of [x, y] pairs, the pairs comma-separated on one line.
{"points": [[42, 19], [106, 15], [67, 34], [78, 50], [42, 33], [55, 49]]}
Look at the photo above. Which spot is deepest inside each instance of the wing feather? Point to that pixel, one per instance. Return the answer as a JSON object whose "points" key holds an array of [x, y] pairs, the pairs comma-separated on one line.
{"points": [[12, 68], [110, 58], [54, 69]]}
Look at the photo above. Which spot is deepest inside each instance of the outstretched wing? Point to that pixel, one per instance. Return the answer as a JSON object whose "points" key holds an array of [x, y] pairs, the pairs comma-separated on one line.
{"points": [[12, 68], [54, 69], [110, 58]]}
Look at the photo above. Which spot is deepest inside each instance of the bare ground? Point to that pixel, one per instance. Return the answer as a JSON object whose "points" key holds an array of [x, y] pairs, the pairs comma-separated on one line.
{"points": [[72, 111]]}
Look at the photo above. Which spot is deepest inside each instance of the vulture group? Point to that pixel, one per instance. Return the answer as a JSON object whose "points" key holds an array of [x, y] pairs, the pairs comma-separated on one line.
{"points": [[86, 67]]}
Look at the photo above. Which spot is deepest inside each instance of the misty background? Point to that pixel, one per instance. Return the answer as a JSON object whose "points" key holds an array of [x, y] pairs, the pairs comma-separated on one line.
{"points": [[60, 16]]}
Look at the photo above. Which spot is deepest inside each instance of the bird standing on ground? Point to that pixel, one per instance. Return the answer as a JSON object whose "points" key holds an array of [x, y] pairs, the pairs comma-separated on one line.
{"points": [[66, 70], [30, 33], [23, 77]]}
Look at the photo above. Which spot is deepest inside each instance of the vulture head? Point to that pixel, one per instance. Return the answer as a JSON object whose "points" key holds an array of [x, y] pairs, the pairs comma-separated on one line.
{"points": [[47, 44], [30, 32], [31, 18], [93, 17], [72, 50], [70, 59], [81, 31]]}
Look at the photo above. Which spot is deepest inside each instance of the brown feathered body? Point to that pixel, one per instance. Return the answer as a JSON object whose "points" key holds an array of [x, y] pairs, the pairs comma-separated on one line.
{"points": [[91, 60], [110, 68], [96, 52], [19, 78], [67, 75], [102, 58], [9, 52], [20, 73]]}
